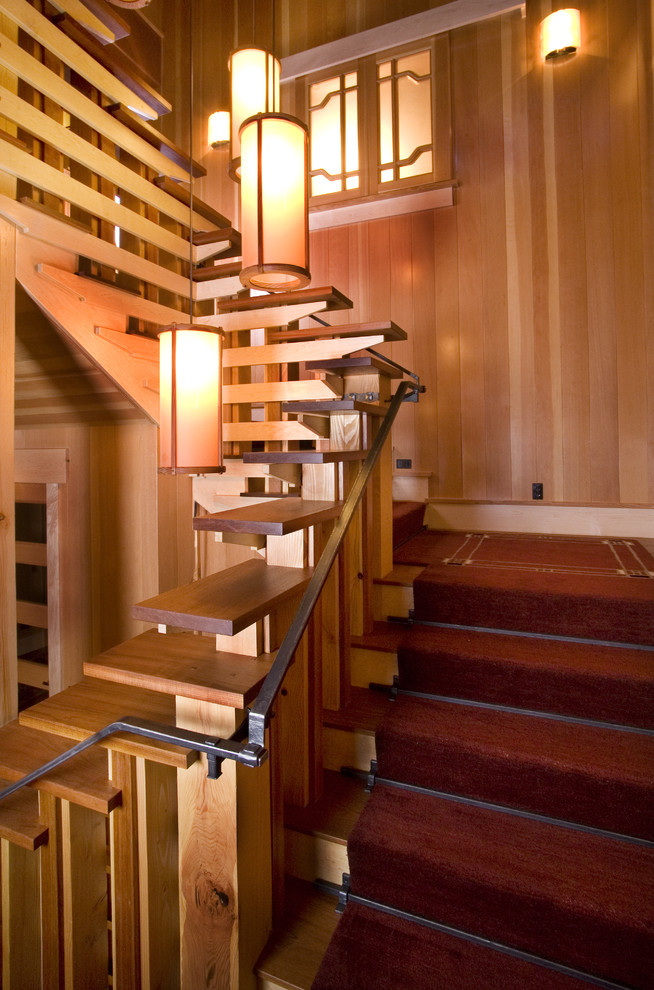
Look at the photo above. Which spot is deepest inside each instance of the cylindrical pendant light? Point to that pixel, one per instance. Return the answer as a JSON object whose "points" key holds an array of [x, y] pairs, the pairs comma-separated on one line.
{"points": [[274, 205], [190, 398], [255, 89], [560, 33]]}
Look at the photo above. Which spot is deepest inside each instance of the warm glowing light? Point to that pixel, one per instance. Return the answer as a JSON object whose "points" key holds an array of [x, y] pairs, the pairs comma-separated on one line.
{"points": [[255, 89], [218, 128], [190, 399], [274, 225], [560, 33]]}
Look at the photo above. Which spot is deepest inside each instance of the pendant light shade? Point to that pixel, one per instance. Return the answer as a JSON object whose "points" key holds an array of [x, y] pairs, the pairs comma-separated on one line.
{"points": [[190, 396], [218, 128], [274, 206], [255, 89], [560, 34]]}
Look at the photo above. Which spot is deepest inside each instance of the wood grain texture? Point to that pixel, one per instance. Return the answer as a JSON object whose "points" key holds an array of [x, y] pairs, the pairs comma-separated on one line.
{"points": [[8, 646], [84, 890], [275, 517], [21, 941]]}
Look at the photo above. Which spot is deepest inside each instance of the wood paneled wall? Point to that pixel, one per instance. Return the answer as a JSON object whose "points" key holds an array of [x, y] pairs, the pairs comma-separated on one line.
{"points": [[529, 303]]}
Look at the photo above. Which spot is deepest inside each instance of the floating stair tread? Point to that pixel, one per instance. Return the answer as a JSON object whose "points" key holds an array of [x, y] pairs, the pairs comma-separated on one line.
{"points": [[583, 899], [302, 456], [274, 517], [293, 953], [185, 665], [372, 948], [109, 17], [390, 330], [205, 237], [226, 602], [365, 712], [154, 137], [330, 406], [384, 637], [604, 683], [19, 819], [111, 58], [327, 294], [575, 772], [83, 780], [182, 193], [90, 705], [207, 273], [335, 813], [402, 574], [357, 364]]}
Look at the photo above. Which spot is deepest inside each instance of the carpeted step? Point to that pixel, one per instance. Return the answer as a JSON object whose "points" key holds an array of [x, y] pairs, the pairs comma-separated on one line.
{"points": [[579, 898], [408, 520], [581, 773], [371, 949], [604, 683]]}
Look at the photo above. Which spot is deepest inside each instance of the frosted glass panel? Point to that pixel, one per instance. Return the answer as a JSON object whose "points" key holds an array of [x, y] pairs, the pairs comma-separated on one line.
{"points": [[334, 123]]}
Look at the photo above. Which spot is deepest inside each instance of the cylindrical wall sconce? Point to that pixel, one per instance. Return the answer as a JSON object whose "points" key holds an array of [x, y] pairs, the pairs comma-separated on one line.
{"points": [[560, 34], [218, 128], [190, 399], [274, 204], [255, 89]]}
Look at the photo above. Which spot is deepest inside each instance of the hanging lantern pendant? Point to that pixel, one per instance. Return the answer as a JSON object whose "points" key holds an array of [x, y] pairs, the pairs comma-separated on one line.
{"points": [[274, 203]]}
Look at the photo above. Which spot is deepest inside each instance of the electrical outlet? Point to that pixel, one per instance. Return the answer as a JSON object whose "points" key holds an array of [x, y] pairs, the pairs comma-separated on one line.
{"points": [[403, 465], [537, 490]]}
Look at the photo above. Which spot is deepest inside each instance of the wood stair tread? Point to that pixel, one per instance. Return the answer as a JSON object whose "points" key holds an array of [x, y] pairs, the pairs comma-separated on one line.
{"points": [[182, 664], [364, 713], [335, 813], [302, 456], [83, 780], [333, 406], [274, 517], [228, 601], [90, 705], [328, 294], [357, 363], [182, 193], [390, 330], [384, 636], [293, 953], [155, 138], [19, 819], [206, 273]]}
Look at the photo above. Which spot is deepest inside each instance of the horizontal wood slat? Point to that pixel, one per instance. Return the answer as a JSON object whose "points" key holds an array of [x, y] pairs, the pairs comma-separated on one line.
{"points": [[34, 674], [41, 465], [181, 192], [86, 17], [31, 553], [226, 602], [44, 176], [31, 614], [42, 30], [269, 431], [45, 128], [48, 83], [159, 142], [314, 388]]}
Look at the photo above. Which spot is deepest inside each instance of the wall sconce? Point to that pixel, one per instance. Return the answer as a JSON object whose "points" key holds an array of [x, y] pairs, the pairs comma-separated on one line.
{"points": [[560, 34], [190, 399], [255, 89], [218, 128], [274, 203]]}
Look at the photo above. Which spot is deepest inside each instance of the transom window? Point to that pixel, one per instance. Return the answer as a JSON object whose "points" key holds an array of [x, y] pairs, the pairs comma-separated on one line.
{"points": [[379, 124]]}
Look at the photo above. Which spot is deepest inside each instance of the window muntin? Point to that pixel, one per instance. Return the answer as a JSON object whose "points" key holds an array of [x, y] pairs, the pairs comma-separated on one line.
{"points": [[334, 134], [404, 109]]}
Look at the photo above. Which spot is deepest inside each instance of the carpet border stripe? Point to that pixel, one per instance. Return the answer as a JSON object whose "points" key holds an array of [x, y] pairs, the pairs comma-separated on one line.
{"points": [[529, 635]]}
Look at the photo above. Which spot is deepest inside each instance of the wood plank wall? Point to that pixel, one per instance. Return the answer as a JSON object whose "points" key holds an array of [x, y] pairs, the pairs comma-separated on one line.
{"points": [[529, 303]]}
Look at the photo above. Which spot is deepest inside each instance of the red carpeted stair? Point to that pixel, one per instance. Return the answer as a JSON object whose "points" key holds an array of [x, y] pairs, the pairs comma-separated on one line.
{"points": [[513, 803]]}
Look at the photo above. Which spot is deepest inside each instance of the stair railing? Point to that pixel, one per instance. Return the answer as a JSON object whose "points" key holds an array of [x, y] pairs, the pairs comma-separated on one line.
{"points": [[253, 752]]}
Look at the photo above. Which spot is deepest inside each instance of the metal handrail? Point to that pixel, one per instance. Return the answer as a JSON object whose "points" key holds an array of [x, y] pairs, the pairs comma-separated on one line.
{"points": [[252, 753]]}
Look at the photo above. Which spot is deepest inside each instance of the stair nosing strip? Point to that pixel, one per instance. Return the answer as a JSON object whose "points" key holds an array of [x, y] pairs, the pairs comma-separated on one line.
{"points": [[487, 943], [528, 712], [517, 812], [619, 645]]}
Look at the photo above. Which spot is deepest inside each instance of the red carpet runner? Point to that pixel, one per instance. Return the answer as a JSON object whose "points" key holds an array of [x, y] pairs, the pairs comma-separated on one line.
{"points": [[471, 821]]}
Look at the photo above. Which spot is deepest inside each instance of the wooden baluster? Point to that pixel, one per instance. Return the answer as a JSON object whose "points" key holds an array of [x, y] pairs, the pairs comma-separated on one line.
{"points": [[125, 937], [84, 883]]}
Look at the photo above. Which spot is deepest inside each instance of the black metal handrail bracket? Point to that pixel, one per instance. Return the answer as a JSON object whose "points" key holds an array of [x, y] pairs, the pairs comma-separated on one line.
{"points": [[253, 752], [259, 714]]}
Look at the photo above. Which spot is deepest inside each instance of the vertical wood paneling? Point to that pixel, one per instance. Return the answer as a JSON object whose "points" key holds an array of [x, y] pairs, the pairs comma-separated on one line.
{"points": [[8, 647], [448, 469]]}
